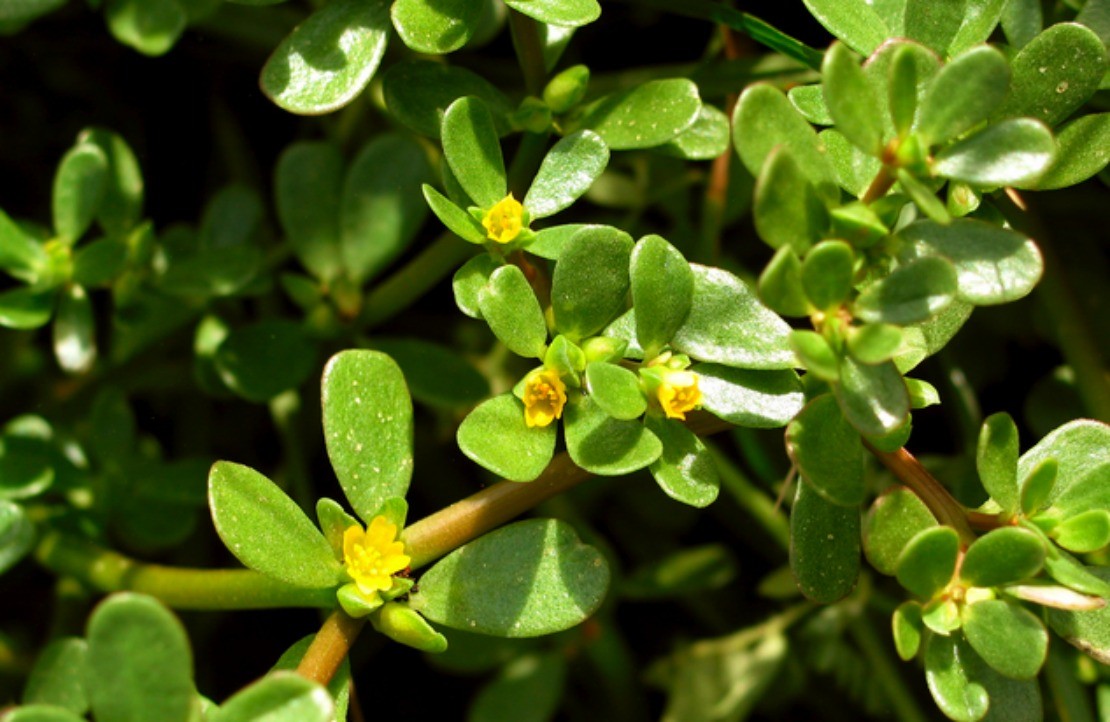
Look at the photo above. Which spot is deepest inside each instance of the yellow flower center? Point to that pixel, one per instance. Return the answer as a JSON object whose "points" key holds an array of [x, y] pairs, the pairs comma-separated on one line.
{"points": [[373, 556], [679, 393], [545, 394], [505, 220]]}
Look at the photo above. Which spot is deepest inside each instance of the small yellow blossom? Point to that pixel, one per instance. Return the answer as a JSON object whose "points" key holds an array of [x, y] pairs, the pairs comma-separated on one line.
{"points": [[679, 393], [505, 220], [545, 394], [372, 556]]}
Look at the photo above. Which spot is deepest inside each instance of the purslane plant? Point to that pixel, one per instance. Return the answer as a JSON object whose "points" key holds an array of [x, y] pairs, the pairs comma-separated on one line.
{"points": [[886, 184]]}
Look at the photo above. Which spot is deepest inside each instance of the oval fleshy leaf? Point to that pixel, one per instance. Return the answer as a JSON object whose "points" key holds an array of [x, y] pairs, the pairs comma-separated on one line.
{"points": [[933, 24], [996, 460], [685, 470], [827, 274], [122, 205], [1003, 556], [266, 530], [1090, 630], [662, 291], [851, 99], [510, 307], [913, 293], [75, 331], [824, 546], [529, 578], [706, 139], [436, 28], [606, 446], [472, 149], [873, 398], [436, 375], [786, 208], [568, 170], [367, 428], [278, 697], [959, 697], [58, 677], [308, 186], [827, 452], [858, 24], [616, 390], [1081, 449], [591, 281], [417, 92], [907, 628], [647, 115], [892, 521], [469, 280], [1083, 149], [149, 26], [495, 436], [329, 58], [963, 94], [1014, 152], [562, 13], [262, 360], [78, 190], [1008, 637], [745, 397], [928, 560]]}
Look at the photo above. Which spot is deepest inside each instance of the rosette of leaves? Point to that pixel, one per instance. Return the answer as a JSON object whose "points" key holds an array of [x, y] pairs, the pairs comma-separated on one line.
{"points": [[367, 417]]}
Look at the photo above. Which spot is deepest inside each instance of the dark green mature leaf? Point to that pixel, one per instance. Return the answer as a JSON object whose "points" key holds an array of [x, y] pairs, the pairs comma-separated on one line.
{"points": [[436, 375], [563, 13], [27, 466], [278, 697], [100, 262], [616, 390], [856, 23], [14, 14], [644, 116], [58, 677], [417, 92], [765, 119], [827, 452], [755, 399], [1083, 149], [685, 470], [436, 28], [367, 428], [260, 361], [75, 331], [780, 284], [662, 287], [79, 187], [873, 397], [591, 280], [1012, 152], [17, 533], [266, 530], [827, 274], [380, 211], [529, 578], [1055, 73], [924, 339], [932, 23], [993, 265], [528, 689], [787, 210], [149, 26], [891, 522], [568, 170], [138, 665], [603, 445], [473, 151], [928, 561], [824, 546], [1003, 556], [996, 460], [1008, 637], [510, 307], [963, 94], [946, 671], [1089, 631], [727, 324], [308, 185], [496, 436], [329, 58], [851, 100]]}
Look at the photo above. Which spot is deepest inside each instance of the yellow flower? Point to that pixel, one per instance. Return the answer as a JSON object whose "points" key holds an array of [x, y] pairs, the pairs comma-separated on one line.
{"points": [[545, 394], [505, 220], [679, 393], [372, 556]]}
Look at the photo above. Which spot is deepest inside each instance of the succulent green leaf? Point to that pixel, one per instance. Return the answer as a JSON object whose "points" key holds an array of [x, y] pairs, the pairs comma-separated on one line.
{"points": [[1085, 532], [435, 374], [809, 100], [100, 262], [997, 459], [436, 28], [1055, 73], [1089, 631], [644, 116], [922, 393], [706, 139], [17, 532], [780, 284], [278, 697], [662, 290], [1013, 152], [21, 255], [495, 436], [727, 324], [473, 151], [528, 689], [458, 221], [27, 468], [891, 522], [122, 204], [874, 343], [510, 307], [1069, 572], [380, 212], [963, 94], [824, 546], [786, 209], [905, 69], [606, 446], [946, 672], [979, 21], [1022, 20], [1037, 486], [591, 281], [754, 399], [308, 187], [530, 578], [563, 13], [367, 428], [942, 616], [902, 90], [340, 685], [908, 628], [149, 26], [685, 470], [1083, 149], [924, 196], [334, 520], [765, 119], [550, 242], [568, 170], [1008, 637], [1081, 449], [922, 340], [851, 99], [816, 355], [852, 168], [58, 677], [79, 186], [993, 265], [827, 274], [417, 92], [873, 397], [928, 561], [616, 390], [262, 360], [75, 331], [827, 452], [329, 58], [266, 530], [469, 281], [858, 24], [138, 664], [1003, 556], [934, 24]]}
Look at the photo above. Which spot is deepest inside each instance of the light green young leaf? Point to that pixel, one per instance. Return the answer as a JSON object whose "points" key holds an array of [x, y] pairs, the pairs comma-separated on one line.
{"points": [[496, 436], [827, 274], [853, 169], [997, 459], [913, 293], [469, 280], [436, 28], [149, 26], [563, 13], [26, 308], [122, 204], [809, 100], [816, 355], [473, 151], [278, 697], [924, 197], [510, 307], [458, 221], [367, 428], [75, 331], [1085, 532], [606, 446], [824, 546], [979, 21], [963, 94], [644, 116], [1081, 449], [1013, 152], [267, 531], [21, 255], [685, 470], [662, 287], [827, 452], [907, 628], [755, 399], [530, 578], [928, 561], [616, 390], [1022, 20], [1003, 556], [568, 170], [780, 284], [58, 677], [853, 21], [891, 522], [959, 697], [591, 280], [329, 58], [78, 190], [851, 100], [787, 210], [874, 343]]}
